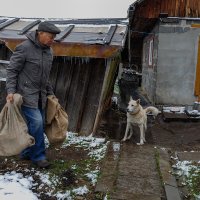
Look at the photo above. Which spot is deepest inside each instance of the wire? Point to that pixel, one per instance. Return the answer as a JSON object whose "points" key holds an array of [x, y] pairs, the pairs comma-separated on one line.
{"points": [[142, 32]]}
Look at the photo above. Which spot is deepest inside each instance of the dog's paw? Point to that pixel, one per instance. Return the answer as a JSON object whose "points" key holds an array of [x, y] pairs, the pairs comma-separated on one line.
{"points": [[123, 140], [139, 144]]}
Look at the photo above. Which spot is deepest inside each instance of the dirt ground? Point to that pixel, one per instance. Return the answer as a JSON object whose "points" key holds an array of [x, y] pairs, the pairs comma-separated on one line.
{"points": [[176, 135], [61, 161]]}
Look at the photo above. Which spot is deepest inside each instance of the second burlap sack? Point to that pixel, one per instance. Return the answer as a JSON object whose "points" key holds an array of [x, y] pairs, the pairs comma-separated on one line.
{"points": [[56, 121]]}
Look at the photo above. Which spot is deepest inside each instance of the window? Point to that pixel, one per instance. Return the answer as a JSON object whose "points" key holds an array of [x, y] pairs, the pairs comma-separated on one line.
{"points": [[151, 52]]}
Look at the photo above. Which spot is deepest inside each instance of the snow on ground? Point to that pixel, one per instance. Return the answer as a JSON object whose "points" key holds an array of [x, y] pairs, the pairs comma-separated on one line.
{"points": [[15, 185], [177, 109], [190, 173], [181, 110], [89, 143]]}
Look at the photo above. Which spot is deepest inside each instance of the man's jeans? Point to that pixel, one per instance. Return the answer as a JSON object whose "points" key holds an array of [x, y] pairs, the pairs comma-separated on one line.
{"points": [[35, 122]]}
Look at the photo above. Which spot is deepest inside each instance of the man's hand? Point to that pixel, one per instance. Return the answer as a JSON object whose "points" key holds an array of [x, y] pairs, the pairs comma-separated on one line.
{"points": [[52, 96], [10, 98]]}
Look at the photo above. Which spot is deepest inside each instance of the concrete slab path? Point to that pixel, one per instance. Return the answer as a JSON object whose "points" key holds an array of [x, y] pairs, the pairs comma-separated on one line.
{"points": [[130, 173]]}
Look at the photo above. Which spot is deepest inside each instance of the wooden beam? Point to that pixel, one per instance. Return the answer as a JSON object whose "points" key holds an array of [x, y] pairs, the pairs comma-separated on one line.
{"points": [[195, 25], [106, 91], [28, 27], [110, 34], [2, 20], [8, 22], [75, 50], [197, 81], [64, 33]]}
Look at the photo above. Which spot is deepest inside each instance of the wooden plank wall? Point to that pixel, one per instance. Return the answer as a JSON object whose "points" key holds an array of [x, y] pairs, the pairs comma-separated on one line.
{"points": [[77, 84], [5, 54], [174, 8], [93, 95]]}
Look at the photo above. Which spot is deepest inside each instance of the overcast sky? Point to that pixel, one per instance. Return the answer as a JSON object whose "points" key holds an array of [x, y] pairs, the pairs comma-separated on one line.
{"points": [[65, 8]]}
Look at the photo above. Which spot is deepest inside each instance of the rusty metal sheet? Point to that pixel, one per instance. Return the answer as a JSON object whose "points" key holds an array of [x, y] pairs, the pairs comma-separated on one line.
{"points": [[84, 50], [75, 50]]}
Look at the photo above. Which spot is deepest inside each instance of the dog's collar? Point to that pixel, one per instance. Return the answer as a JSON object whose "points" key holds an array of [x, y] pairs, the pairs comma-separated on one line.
{"points": [[134, 113]]}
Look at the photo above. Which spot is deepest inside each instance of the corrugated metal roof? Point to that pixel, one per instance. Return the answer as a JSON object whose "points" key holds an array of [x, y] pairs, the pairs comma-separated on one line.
{"points": [[107, 32]]}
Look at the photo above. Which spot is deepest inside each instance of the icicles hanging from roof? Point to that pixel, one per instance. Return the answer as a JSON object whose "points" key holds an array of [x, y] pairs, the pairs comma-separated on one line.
{"points": [[76, 60]]}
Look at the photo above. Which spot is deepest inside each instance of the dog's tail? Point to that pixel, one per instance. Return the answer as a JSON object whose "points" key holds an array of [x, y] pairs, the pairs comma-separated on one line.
{"points": [[153, 110]]}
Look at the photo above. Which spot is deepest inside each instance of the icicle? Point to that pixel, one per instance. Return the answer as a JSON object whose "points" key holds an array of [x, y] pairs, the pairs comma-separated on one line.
{"points": [[105, 61], [82, 61], [87, 60], [79, 61], [71, 59]]}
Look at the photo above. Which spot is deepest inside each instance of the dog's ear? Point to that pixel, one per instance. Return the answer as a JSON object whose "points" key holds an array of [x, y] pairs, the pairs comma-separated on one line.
{"points": [[138, 101], [131, 98]]}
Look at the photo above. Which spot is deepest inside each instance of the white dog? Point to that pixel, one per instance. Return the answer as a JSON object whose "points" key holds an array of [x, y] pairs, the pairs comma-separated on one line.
{"points": [[137, 116]]}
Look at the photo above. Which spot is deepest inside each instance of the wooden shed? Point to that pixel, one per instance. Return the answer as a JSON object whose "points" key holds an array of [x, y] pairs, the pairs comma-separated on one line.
{"points": [[87, 54], [164, 44]]}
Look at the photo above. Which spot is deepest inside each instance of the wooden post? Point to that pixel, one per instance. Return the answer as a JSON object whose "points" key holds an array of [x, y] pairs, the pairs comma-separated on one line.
{"points": [[197, 81]]}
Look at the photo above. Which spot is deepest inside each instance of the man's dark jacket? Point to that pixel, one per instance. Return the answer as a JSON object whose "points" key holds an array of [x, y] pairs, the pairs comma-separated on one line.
{"points": [[28, 72]]}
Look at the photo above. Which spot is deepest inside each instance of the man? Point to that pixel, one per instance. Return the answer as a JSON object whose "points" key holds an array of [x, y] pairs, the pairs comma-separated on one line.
{"points": [[28, 75]]}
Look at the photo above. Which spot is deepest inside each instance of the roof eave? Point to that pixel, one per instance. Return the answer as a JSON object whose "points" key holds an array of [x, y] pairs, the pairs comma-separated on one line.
{"points": [[75, 49]]}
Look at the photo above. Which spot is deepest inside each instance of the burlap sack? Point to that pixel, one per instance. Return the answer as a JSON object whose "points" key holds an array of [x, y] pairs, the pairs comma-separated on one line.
{"points": [[14, 135], [56, 121]]}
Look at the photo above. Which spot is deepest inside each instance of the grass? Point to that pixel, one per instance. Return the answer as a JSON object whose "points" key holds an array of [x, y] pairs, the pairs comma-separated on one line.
{"points": [[64, 176], [193, 181], [75, 168], [157, 157]]}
